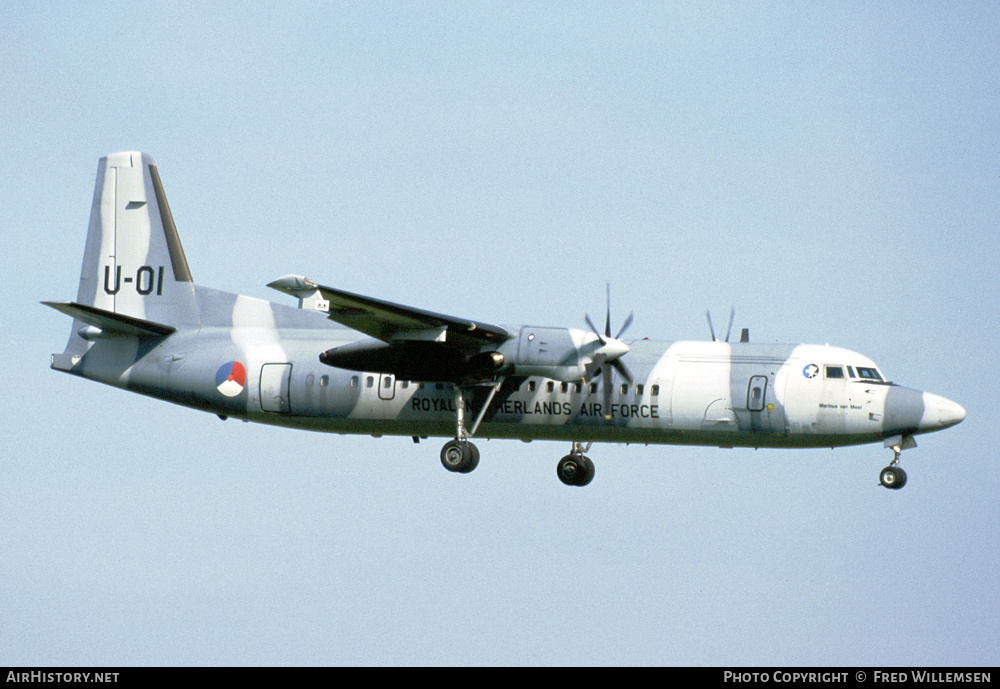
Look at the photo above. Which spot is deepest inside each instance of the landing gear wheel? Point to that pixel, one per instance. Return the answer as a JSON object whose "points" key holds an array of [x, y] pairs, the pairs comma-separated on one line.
{"points": [[575, 470], [892, 477], [460, 456]]}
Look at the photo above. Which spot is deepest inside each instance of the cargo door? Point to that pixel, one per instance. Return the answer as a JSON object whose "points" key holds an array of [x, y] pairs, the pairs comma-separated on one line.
{"points": [[274, 387]]}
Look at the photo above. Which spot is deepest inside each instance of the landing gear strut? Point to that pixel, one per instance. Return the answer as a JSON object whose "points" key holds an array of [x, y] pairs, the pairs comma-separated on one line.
{"points": [[893, 475], [575, 469]]}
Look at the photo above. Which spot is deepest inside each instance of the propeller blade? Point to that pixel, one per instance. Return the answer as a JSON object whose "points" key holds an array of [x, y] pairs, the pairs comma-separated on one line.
{"points": [[596, 331], [628, 322], [607, 322], [732, 315], [619, 366], [708, 315], [608, 382], [594, 367]]}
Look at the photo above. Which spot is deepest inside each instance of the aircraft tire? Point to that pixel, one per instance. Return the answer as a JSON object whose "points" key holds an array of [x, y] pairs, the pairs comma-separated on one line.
{"points": [[575, 470], [588, 473], [901, 478], [473, 460], [893, 478], [459, 456]]}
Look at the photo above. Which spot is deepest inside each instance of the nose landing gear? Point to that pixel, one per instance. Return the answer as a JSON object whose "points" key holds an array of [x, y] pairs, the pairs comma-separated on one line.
{"points": [[893, 475]]}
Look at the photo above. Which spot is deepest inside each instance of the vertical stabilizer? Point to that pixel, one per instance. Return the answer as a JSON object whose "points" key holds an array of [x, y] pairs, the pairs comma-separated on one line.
{"points": [[133, 264]]}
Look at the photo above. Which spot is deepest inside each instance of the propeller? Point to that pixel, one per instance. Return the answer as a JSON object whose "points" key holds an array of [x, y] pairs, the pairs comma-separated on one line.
{"points": [[608, 358], [732, 315]]}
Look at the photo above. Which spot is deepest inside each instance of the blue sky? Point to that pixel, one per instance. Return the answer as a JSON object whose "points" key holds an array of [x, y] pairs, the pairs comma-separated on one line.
{"points": [[831, 169]]}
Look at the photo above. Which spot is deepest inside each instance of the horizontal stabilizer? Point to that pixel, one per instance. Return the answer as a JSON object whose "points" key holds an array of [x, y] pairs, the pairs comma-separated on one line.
{"points": [[109, 322]]}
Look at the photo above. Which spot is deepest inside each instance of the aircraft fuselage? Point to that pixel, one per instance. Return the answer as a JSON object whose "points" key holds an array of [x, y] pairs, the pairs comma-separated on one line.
{"points": [[684, 392]]}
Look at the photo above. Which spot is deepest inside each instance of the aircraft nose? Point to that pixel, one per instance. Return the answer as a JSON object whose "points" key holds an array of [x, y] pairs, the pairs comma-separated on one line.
{"points": [[914, 411], [941, 412]]}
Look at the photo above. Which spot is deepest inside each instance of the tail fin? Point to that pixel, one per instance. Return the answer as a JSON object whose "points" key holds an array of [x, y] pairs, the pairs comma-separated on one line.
{"points": [[135, 279], [134, 264]]}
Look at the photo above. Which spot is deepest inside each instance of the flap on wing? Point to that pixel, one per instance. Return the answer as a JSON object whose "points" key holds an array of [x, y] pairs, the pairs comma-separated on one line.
{"points": [[391, 322], [111, 322], [428, 335]]}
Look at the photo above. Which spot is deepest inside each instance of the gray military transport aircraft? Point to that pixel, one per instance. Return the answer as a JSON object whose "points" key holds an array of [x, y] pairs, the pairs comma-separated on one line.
{"points": [[345, 363]]}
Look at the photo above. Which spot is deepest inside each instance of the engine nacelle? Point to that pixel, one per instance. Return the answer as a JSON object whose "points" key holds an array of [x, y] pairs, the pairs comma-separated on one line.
{"points": [[564, 354], [558, 353], [416, 361], [486, 363]]}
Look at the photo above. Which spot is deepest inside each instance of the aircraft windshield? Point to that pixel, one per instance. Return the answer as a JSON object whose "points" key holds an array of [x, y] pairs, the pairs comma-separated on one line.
{"points": [[868, 373]]}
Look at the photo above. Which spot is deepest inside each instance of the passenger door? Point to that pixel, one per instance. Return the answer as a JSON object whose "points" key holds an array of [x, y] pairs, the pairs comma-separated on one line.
{"points": [[756, 393], [766, 414]]}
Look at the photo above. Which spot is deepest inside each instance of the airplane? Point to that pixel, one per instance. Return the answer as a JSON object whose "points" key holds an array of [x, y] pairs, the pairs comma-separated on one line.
{"points": [[344, 363]]}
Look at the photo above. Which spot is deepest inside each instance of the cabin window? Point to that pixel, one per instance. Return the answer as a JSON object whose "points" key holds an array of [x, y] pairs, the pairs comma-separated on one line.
{"points": [[370, 382], [324, 381], [578, 388], [868, 373], [387, 382], [593, 388], [531, 386], [550, 386], [405, 384], [639, 389], [834, 371], [850, 371], [310, 379], [624, 388], [564, 388], [655, 391]]}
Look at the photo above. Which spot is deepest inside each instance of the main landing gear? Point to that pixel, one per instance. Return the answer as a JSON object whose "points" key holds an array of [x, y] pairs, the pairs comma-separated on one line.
{"points": [[575, 469], [893, 475], [461, 456]]}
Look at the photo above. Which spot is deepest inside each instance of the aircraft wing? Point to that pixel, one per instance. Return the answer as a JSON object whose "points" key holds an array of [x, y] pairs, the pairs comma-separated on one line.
{"points": [[395, 323]]}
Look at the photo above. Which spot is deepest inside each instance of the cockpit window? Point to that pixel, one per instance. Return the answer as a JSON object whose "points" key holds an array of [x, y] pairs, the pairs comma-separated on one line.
{"points": [[834, 372], [868, 373]]}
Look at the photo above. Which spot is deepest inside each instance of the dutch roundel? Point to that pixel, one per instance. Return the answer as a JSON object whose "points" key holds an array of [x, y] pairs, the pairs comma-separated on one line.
{"points": [[231, 379]]}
